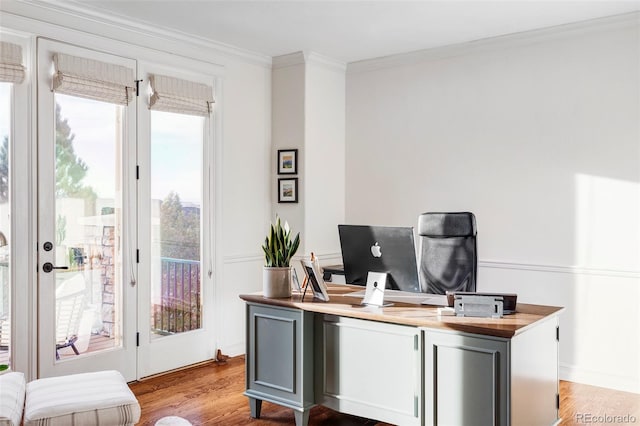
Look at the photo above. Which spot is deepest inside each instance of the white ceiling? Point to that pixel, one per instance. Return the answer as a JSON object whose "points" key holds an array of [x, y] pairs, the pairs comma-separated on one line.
{"points": [[349, 31]]}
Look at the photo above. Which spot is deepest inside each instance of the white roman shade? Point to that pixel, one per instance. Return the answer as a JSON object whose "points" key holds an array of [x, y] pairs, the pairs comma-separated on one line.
{"points": [[181, 96], [92, 79], [11, 68]]}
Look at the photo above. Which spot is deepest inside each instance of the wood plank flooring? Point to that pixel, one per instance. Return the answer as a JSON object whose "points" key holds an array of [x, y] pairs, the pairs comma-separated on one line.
{"points": [[584, 404], [211, 394]]}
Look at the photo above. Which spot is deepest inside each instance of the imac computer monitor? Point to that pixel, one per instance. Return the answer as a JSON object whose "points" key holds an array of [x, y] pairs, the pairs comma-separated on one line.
{"points": [[380, 249]]}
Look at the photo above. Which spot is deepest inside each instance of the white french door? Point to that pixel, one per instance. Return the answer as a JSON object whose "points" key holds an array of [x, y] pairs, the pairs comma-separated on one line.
{"points": [[124, 221], [87, 292], [174, 226]]}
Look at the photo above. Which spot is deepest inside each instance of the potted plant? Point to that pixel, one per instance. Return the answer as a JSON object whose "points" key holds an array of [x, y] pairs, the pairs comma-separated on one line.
{"points": [[278, 250]]}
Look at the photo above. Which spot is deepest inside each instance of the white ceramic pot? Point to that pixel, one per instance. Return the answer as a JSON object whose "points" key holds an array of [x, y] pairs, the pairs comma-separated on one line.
{"points": [[276, 282]]}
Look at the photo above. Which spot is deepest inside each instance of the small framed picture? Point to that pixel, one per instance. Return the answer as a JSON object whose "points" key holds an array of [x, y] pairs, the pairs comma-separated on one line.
{"points": [[287, 161], [288, 190]]}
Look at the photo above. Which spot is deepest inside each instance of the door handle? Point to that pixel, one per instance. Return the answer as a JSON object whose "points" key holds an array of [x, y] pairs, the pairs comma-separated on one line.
{"points": [[48, 267]]}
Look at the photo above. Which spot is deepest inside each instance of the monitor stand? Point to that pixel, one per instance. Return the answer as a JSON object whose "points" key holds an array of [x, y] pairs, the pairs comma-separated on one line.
{"points": [[374, 293]]}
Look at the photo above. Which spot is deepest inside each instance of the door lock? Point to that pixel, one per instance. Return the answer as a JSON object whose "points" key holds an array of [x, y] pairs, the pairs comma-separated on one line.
{"points": [[48, 246], [48, 267]]}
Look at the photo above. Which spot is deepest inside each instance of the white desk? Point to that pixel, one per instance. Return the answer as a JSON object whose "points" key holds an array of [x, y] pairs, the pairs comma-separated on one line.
{"points": [[402, 364]]}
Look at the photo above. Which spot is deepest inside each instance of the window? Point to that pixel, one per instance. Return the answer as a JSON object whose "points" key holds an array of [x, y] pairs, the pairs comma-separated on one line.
{"points": [[176, 206], [5, 223], [11, 72]]}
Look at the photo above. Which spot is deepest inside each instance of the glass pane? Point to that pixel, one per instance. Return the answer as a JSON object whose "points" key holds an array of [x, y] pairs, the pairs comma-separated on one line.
{"points": [[5, 225], [176, 200], [88, 225]]}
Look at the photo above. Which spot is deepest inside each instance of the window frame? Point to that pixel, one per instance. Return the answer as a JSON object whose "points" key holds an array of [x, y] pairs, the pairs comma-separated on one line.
{"points": [[22, 190]]}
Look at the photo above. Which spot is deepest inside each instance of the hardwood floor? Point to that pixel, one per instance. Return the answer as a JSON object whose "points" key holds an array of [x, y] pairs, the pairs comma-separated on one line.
{"points": [[211, 394], [580, 404]]}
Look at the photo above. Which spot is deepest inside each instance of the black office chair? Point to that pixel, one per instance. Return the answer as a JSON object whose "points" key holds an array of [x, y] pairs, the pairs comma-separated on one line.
{"points": [[448, 258]]}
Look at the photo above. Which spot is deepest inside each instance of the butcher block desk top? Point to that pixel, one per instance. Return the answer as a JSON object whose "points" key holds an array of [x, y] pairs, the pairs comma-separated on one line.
{"points": [[341, 304]]}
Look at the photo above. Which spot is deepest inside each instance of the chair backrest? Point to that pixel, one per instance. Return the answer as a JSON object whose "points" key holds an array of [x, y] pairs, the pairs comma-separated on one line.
{"points": [[448, 256], [70, 304]]}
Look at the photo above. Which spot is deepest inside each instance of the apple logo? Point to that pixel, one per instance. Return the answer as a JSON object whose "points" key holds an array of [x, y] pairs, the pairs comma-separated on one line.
{"points": [[376, 250]]}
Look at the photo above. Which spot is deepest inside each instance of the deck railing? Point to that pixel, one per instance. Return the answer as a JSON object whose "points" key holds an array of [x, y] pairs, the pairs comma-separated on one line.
{"points": [[180, 306]]}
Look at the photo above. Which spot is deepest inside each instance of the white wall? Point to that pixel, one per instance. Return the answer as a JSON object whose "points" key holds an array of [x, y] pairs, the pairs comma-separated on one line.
{"points": [[288, 132], [324, 157], [246, 206], [538, 135], [308, 113]]}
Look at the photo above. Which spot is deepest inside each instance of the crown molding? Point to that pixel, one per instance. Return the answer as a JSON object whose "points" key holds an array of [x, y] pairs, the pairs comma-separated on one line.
{"points": [[307, 57], [288, 60], [500, 42], [325, 62], [102, 24]]}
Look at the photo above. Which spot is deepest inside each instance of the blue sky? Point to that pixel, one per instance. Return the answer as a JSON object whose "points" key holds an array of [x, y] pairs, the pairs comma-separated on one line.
{"points": [[175, 154]]}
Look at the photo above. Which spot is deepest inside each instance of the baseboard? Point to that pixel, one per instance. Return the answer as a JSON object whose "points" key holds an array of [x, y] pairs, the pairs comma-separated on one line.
{"points": [[234, 349], [575, 374]]}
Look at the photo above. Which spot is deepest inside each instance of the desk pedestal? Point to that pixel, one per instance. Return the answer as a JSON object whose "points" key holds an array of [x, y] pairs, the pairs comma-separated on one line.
{"points": [[279, 361]]}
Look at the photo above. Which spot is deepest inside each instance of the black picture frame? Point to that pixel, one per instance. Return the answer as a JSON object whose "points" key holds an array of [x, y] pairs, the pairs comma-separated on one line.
{"points": [[287, 162], [288, 190]]}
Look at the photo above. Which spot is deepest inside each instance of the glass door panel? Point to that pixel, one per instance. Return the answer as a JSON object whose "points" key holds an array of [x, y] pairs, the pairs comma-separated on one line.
{"points": [[88, 226], [5, 225], [176, 205]]}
